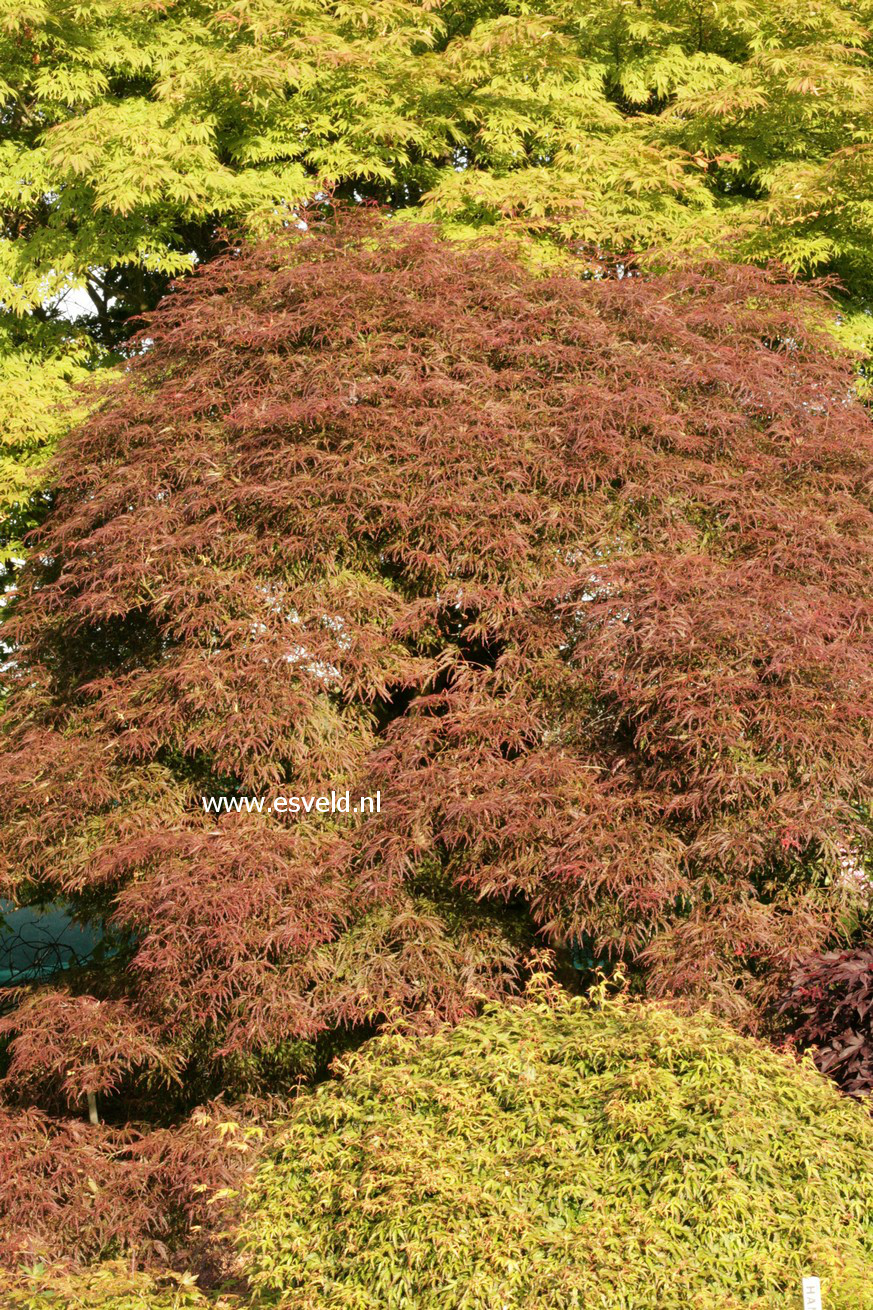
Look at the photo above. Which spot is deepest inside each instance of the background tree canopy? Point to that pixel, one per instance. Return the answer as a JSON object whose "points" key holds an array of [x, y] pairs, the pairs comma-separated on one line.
{"points": [[132, 129]]}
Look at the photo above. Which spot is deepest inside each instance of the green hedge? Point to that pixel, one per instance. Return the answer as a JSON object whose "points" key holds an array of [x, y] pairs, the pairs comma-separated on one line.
{"points": [[560, 1155]]}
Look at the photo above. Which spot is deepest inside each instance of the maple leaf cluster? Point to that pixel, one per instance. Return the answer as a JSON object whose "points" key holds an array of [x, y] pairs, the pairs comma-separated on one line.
{"points": [[576, 573], [76, 1190], [829, 1003]]}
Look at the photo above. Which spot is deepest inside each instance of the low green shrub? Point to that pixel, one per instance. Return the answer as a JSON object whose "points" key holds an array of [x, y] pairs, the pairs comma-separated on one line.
{"points": [[556, 1154]]}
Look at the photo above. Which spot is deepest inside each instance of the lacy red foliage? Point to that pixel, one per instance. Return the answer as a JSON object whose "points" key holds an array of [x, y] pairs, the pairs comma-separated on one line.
{"points": [[82, 1045], [830, 1004], [576, 573], [72, 1190]]}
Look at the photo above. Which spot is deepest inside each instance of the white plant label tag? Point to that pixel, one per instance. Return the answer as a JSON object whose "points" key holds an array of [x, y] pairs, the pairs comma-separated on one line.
{"points": [[811, 1294]]}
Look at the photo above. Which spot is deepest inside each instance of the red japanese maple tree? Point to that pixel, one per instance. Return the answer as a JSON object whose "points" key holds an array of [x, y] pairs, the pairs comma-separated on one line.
{"points": [[577, 574]]}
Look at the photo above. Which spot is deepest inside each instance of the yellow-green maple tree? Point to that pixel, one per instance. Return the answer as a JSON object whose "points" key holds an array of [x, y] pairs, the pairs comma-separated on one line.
{"points": [[133, 129]]}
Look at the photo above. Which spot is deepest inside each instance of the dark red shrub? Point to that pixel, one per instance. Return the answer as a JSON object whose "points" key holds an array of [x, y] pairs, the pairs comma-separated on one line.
{"points": [[576, 574], [830, 1006]]}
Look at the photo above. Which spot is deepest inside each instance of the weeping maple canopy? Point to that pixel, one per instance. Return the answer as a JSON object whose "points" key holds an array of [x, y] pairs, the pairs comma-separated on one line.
{"points": [[575, 573]]}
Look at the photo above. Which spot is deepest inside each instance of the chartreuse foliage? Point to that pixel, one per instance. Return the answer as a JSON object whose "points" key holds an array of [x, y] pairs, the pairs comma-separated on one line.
{"points": [[36, 408], [132, 127], [557, 1155], [108, 1286]]}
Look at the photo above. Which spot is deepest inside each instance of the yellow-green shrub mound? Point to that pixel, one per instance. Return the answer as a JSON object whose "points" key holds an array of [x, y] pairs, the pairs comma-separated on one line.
{"points": [[560, 1155], [109, 1285]]}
